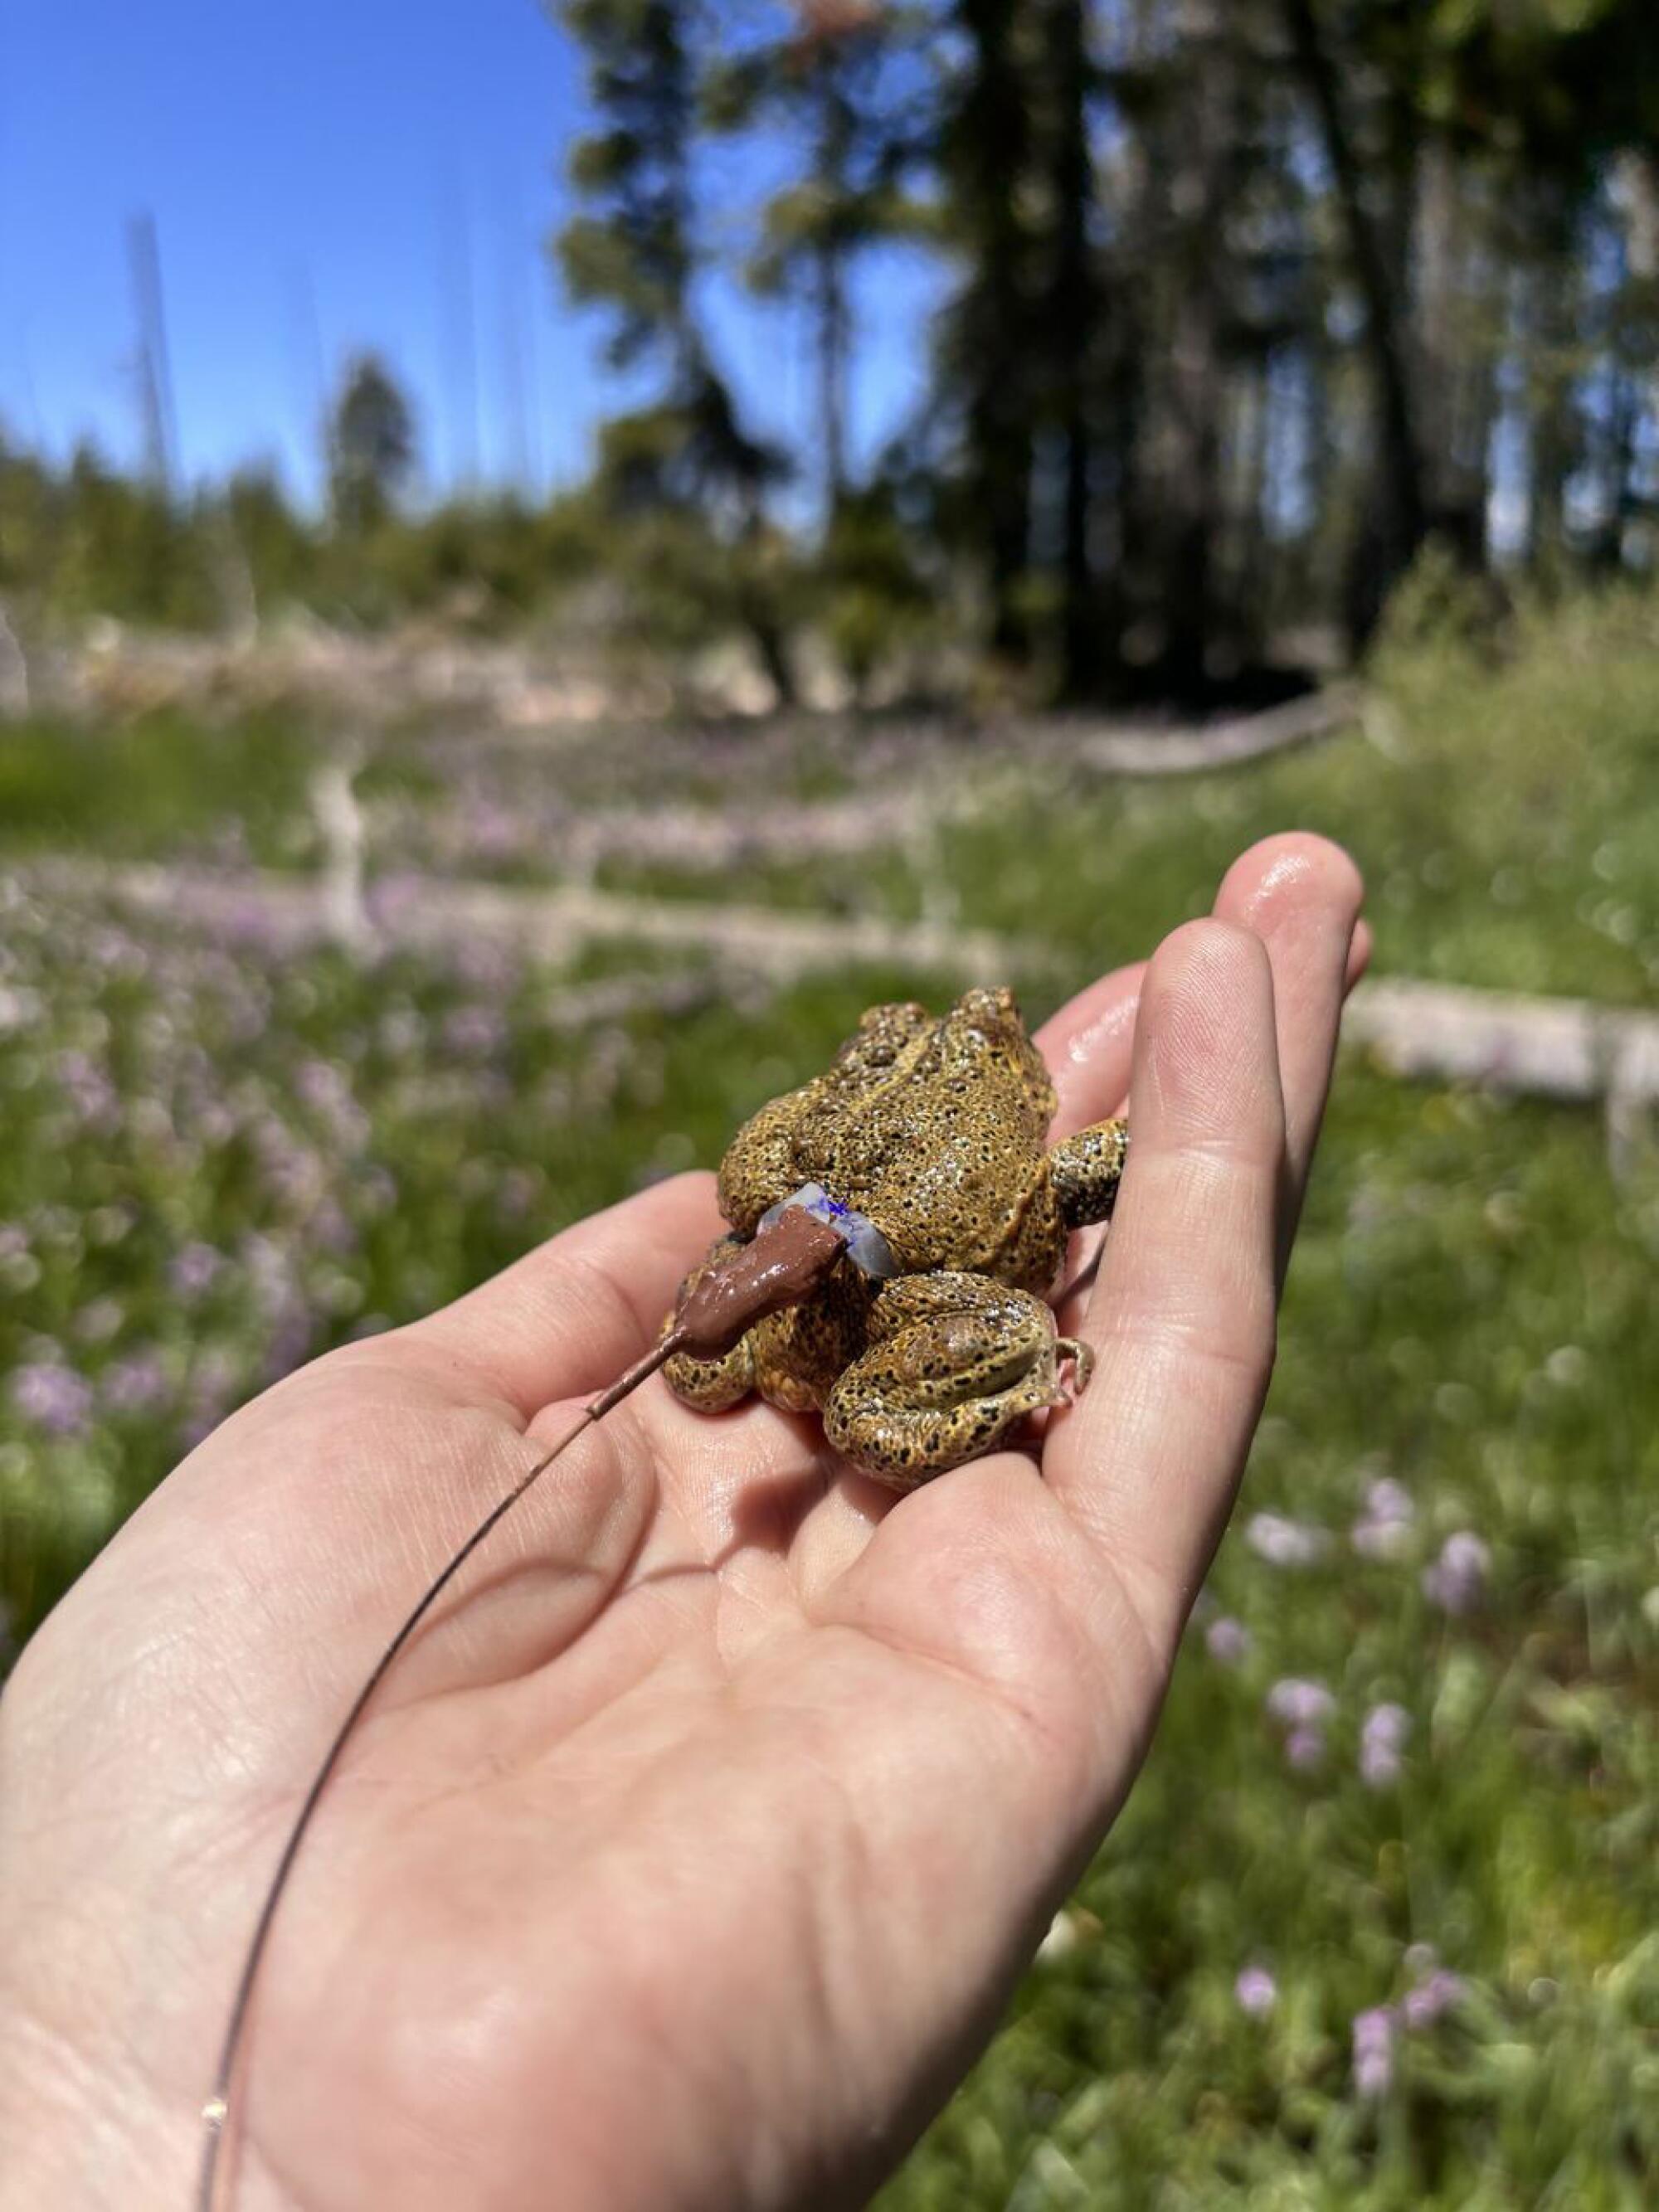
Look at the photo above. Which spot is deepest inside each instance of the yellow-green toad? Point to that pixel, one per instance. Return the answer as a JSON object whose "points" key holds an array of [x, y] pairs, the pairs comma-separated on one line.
{"points": [[930, 1336]]}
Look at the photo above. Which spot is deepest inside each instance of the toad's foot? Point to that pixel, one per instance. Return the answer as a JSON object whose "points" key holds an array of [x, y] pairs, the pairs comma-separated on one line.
{"points": [[1086, 1170], [954, 1361]]}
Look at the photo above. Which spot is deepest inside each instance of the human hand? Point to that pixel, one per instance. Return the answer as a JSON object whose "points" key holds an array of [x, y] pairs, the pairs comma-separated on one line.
{"points": [[688, 1855]]}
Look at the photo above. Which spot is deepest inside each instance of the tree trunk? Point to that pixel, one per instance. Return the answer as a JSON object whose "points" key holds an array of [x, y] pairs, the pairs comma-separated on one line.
{"points": [[1637, 198], [1403, 516], [1552, 429], [1201, 129], [834, 345], [1249, 564], [993, 158], [1437, 264], [761, 619], [1073, 309]]}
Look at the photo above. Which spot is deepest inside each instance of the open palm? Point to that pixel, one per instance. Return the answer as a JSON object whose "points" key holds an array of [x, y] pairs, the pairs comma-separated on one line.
{"points": [[686, 1857]]}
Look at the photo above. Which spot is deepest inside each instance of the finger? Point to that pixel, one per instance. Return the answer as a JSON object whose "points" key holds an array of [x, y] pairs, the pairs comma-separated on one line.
{"points": [[1360, 955], [1289, 887], [1182, 1320], [569, 1317], [1301, 896], [1090, 1243], [1087, 1045], [1276, 888]]}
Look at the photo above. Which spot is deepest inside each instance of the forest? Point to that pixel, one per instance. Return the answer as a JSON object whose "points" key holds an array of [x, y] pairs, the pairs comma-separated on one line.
{"points": [[1239, 307]]}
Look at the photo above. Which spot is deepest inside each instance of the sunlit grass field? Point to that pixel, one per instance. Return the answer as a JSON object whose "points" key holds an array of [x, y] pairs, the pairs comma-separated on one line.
{"points": [[1381, 1926]]}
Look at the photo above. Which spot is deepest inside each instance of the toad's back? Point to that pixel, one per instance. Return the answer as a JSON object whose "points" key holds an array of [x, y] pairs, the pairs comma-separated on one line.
{"points": [[935, 1129]]}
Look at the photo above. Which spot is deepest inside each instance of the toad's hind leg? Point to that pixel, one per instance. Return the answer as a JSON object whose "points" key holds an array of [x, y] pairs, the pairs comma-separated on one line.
{"points": [[1086, 1170], [954, 1360], [711, 1385]]}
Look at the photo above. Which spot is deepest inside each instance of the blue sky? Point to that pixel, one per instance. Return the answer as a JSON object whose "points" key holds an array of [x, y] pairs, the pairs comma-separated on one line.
{"points": [[325, 175]]}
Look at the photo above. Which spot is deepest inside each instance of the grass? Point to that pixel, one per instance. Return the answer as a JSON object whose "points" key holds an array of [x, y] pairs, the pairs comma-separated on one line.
{"points": [[1509, 834], [215, 1163], [1433, 1336], [159, 786], [1506, 814]]}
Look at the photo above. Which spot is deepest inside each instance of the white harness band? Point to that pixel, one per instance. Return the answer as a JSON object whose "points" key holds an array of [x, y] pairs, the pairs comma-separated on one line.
{"points": [[866, 1247]]}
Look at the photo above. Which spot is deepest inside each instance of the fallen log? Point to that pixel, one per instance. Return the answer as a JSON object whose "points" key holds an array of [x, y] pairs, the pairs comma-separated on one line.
{"points": [[1191, 751]]}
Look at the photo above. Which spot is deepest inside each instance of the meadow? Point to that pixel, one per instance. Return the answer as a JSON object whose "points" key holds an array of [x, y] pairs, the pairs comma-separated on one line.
{"points": [[1380, 1927]]}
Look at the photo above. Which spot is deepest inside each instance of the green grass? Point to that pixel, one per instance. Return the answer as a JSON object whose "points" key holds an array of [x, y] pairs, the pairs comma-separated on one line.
{"points": [[1509, 834], [1469, 1317], [157, 787], [1470, 1314], [1505, 812]]}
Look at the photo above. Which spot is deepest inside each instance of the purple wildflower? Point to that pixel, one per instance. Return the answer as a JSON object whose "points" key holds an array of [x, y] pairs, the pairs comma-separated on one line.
{"points": [[134, 1385], [1383, 1529], [194, 1269], [1456, 1581], [1302, 1709], [1389, 1500], [484, 964], [491, 831], [1373, 2052], [1382, 1741], [291, 1342], [1300, 1703], [92, 1097], [55, 1398], [321, 1084], [1255, 1991], [214, 1123], [1228, 1641], [1305, 1747], [1433, 1997], [270, 1273], [1284, 1542], [213, 1387], [331, 1227], [475, 1031]]}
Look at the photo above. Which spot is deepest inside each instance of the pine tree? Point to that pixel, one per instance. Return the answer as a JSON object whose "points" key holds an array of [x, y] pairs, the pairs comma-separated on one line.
{"points": [[848, 81], [371, 447]]}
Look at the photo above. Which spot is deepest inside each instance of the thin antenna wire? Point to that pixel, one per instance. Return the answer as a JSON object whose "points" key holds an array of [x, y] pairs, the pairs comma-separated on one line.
{"points": [[216, 2111]]}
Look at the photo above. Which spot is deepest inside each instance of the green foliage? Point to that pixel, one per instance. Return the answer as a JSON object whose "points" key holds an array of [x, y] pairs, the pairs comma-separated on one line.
{"points": [[1243, 306], [1439, 604], [160, 786], [280, 550], [1430, 1339], [869, 588], [371, 447], [635, 253], [93, 542], [841, 80]]}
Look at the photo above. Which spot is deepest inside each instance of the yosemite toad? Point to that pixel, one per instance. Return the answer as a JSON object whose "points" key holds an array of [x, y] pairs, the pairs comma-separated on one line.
{"points": [[937, 1132]]}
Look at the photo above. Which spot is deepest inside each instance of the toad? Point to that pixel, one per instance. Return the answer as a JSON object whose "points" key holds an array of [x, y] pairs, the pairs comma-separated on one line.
{"points": [[925, 1144]]}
